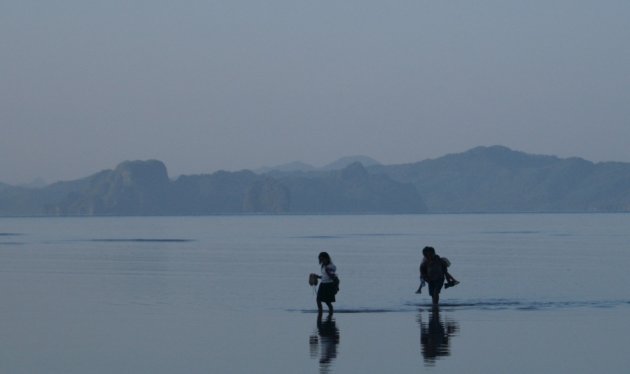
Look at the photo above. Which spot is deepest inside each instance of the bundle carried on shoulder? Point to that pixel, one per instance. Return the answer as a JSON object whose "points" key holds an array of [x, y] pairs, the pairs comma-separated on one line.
{"points": [[312, 279]]}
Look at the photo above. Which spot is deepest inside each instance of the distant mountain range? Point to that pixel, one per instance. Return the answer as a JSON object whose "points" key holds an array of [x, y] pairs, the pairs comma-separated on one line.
{"points": [[483, 180], [301, 166]]}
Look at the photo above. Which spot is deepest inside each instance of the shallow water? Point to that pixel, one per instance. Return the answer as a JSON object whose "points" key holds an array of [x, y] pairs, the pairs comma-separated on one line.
{"points": [[229, 294]]}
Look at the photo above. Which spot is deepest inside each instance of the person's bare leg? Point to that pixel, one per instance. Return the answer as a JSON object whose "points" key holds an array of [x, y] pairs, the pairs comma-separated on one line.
{"points": [[330, 309]]}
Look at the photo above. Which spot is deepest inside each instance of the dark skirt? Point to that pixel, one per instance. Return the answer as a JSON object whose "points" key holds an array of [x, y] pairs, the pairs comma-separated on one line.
{"points": [[326, 292]]}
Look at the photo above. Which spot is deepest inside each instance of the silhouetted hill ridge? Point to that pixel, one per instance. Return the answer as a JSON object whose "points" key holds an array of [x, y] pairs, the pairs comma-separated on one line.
{"points": [[482, 179], [497, 179], [299, 166], [143, 188]]}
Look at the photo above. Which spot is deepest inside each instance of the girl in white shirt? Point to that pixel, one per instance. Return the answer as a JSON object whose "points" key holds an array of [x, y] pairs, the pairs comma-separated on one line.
{"points": [[328, 286]]}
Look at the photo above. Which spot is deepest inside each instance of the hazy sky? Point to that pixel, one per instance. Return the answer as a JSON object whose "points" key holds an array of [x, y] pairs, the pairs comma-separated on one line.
{"points": [[208, 85]]}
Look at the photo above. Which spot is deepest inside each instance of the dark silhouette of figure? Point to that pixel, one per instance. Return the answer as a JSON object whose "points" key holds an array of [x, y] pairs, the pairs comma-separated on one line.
{"points": [[450, 279], [433, 271], [329, 284], [435, 336], [325, 341]]}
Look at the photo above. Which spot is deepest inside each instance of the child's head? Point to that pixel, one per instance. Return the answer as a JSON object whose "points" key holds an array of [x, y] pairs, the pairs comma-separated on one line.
{"points": [[324, 258], [428, 252]]}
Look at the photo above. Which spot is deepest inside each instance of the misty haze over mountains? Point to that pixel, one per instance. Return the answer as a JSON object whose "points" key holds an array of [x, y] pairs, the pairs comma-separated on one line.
{"points": [[301, 166], [483, 179]]}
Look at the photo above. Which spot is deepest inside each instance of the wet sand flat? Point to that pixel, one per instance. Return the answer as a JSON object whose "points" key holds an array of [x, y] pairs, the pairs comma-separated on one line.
{"points": [[230, 295]]}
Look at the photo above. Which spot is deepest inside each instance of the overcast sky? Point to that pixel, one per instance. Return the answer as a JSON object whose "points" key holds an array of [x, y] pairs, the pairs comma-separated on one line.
{"points": [[230, 84]]}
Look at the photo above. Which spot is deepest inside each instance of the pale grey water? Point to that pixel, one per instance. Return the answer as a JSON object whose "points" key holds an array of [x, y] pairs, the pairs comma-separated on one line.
{"points": [[229, 294]]}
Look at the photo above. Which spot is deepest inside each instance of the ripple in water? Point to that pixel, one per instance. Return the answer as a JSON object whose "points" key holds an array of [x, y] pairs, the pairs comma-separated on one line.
{"points": [[142, 240]]}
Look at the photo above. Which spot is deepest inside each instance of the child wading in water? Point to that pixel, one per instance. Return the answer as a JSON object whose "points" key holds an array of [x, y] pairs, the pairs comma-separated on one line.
{"points": [[433, 270], [329, 285]]}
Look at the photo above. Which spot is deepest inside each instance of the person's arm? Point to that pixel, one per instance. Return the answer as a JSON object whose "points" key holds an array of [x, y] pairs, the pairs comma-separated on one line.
{"points": [[330, 271], [447, 275], [423, 271]]}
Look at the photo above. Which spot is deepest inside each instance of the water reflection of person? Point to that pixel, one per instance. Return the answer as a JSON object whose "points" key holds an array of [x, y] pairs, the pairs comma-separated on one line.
{"points": [[435, 336], [325, 342]]}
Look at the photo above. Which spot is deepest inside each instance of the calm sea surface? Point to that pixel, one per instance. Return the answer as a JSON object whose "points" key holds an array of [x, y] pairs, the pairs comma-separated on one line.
{"points": [[229, 294]]}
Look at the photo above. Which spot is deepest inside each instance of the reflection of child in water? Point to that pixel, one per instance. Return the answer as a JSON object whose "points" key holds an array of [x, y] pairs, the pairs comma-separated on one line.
{"points": [[327, 339], [435, 336]]}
